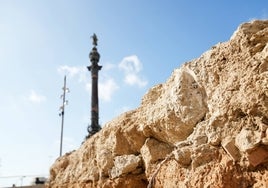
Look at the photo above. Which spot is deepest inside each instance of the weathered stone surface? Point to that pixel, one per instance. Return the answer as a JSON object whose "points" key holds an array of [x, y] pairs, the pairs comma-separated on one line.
{"points": [[229, 146], [203, 155], [125, 164], [183, 156], [153, 151], [247, 139], [170, 111], [258, 156], [186, 129], [265, 138]]}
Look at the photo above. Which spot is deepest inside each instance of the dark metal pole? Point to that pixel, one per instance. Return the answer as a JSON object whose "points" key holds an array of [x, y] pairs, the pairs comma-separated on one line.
{"points": [[94, 57]]}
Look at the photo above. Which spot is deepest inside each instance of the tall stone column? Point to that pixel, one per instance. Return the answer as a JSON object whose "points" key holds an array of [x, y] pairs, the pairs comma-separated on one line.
{"points": [[94, 57]]}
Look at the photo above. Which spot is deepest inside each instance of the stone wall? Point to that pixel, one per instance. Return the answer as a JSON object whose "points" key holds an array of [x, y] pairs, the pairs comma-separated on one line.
{"points": [[206, 126]]}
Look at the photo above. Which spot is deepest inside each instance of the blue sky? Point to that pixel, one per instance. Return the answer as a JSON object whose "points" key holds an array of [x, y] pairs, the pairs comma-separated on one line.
{"points": [[140, 43]]}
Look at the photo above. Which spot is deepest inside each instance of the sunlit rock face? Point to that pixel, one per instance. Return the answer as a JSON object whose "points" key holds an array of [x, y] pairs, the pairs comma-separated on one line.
{"points": [[205, 127]]}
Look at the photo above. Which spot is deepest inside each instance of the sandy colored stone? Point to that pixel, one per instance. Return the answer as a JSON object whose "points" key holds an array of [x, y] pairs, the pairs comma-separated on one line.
{"points": [[229, 146], [182, 126], [153, 151], [183, 156], [170, 111], [258, 156], [125, 164], [247, 139]]}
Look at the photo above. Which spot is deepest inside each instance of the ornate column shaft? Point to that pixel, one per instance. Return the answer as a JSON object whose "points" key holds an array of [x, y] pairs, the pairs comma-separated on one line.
{"points": [[94, 57]]}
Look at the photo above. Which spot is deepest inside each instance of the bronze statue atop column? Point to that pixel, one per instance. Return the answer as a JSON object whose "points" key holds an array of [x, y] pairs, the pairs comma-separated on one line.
{"points": [[94, 57]]}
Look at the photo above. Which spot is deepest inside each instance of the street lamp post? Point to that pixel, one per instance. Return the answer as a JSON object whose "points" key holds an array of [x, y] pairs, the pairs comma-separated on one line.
{"points": [[62, 109]]}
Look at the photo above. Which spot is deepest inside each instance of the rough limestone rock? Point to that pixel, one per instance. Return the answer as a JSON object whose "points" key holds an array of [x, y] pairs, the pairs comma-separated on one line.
{"points": [[206, 127], [125, 164], [152, 152]]}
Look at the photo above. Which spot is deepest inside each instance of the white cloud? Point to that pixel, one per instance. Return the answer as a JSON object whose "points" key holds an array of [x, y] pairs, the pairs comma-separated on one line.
{"points": [[108, 66], [133, 79], [106, 89], [132, 66], [36, 98], [107, 85], [73, 71]]}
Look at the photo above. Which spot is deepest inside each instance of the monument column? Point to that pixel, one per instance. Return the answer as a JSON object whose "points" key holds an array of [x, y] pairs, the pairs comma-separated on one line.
{"points": [[94, 57]]}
